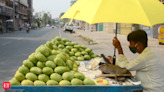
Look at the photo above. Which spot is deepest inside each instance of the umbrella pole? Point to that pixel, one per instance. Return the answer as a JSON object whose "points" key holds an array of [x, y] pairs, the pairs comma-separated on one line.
{"points": [[114, 56]]}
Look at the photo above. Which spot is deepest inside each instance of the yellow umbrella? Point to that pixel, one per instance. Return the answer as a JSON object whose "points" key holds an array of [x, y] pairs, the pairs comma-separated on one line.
{"points": [[145, 12]]}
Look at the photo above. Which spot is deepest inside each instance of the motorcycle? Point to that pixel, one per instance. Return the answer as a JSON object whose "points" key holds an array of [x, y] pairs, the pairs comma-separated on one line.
{"points": [[28, 30]]}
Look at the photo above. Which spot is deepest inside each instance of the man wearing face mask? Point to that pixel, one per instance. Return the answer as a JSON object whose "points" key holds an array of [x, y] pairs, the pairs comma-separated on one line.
{"points": [[148, 65]]}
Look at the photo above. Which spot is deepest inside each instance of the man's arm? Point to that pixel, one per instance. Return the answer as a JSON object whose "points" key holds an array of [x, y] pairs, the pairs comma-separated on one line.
{"points": [[137, 64]]}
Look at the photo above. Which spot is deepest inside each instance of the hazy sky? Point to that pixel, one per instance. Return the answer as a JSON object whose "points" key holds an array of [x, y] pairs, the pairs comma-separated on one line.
{"points": [[55, 7]]}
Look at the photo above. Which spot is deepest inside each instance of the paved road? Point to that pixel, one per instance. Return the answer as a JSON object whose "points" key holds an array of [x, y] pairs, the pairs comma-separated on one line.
{"points": [[16, 47]]}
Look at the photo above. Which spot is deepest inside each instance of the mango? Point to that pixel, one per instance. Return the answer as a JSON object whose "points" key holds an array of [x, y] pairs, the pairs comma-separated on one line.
{"points": [[27, 82], [31, 76], [23, 70], [77, 54], [55, 76], [58, 38], [69, 63], [43, 50], [28, 64], [40, 65], [54, 52], [73, 72], [76, 81], [19, 76], [67, 76], [77, 46], [84, 53], [88, 81], [50, 64], [77, 63], [51, 57], [61, 46], [79, 76], [62, 57], [80, 58], [43, 77], [68, 43], [82, 46], [39, 83], [61, 69], [47, 70], [59, 62], [87, 57], [69, 47], [32, 58], [64, 82], [94, 55], [40, 57], [36, 70], [88, 50], [52, 82], [74, 50], [55, 47], [14, 82]]}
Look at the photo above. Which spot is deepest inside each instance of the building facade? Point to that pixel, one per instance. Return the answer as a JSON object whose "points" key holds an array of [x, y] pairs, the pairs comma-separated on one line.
{"points": [[6, 11], [21, 12], [30, 11]]}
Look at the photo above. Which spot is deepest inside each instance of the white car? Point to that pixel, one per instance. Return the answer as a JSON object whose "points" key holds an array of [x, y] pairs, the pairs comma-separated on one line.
{"points": [[68, 27], [47, 25], [76, 27]]}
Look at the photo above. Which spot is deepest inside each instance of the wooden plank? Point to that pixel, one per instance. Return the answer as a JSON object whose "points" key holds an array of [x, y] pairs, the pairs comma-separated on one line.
{"points": [[113, 75]]}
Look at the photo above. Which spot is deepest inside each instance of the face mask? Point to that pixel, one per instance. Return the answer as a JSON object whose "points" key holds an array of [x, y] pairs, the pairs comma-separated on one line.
{"points": [[133, 49]]}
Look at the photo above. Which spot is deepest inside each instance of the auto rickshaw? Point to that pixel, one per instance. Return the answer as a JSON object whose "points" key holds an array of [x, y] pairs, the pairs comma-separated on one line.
{"points": [[9, 25], [161, 35]]}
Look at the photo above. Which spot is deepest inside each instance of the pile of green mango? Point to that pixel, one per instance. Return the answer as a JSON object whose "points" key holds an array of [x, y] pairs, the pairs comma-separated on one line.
{"points": [[54, 63]]}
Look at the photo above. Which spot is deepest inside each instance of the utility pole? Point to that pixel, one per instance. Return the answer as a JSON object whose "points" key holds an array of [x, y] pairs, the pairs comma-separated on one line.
{"points": [[14, 14]]}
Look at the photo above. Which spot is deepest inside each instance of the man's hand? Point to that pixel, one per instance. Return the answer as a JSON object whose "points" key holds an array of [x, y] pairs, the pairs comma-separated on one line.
{"points": [[116, 44], [110, 59]]}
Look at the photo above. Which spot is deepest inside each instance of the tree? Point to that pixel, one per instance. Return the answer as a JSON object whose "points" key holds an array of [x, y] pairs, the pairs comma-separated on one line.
{"points": [[45, 18], [53, 21], [37, 21], [61, 14]]}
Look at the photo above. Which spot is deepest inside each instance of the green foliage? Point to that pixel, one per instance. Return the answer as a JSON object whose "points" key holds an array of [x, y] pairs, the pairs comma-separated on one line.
{"points": [[37, 21], [46, 19]]}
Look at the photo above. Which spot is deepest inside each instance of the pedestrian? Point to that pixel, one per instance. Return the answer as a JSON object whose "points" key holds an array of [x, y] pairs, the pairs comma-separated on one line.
{"points": [[148, 65]]}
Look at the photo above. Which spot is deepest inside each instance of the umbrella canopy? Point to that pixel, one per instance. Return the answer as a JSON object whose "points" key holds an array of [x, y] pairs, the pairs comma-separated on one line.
{"points": [[145, 12]]}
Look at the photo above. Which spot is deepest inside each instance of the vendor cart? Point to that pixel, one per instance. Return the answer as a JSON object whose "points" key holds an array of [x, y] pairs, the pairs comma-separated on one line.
{"points": [[134, 88], [83, 88]]}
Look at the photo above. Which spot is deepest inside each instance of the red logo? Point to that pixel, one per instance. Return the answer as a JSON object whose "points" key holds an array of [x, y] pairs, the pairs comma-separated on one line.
{"points": [[6, 85]]}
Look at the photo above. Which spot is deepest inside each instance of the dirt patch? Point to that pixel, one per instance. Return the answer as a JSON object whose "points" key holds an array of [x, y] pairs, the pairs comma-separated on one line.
{"points": [[85, 40]]}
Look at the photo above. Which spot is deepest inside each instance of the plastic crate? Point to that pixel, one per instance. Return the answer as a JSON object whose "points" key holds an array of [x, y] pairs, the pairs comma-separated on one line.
{"points": [[134, 88]]}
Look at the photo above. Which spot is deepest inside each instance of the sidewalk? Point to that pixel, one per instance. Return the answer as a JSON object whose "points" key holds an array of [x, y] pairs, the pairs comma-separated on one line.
{"points": [[105, 45], [107, 38]]}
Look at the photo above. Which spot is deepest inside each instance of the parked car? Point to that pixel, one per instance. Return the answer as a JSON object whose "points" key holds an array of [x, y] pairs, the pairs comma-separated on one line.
{"points": [[76, 27], [68, 27], [47, 25]]}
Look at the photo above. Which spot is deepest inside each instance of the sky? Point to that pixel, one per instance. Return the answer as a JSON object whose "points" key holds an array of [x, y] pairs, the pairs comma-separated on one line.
{"points": [[55, 7]]}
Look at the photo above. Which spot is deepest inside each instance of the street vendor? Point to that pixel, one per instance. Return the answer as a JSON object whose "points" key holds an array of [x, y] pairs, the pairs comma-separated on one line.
{"points": [[148, 65]]}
